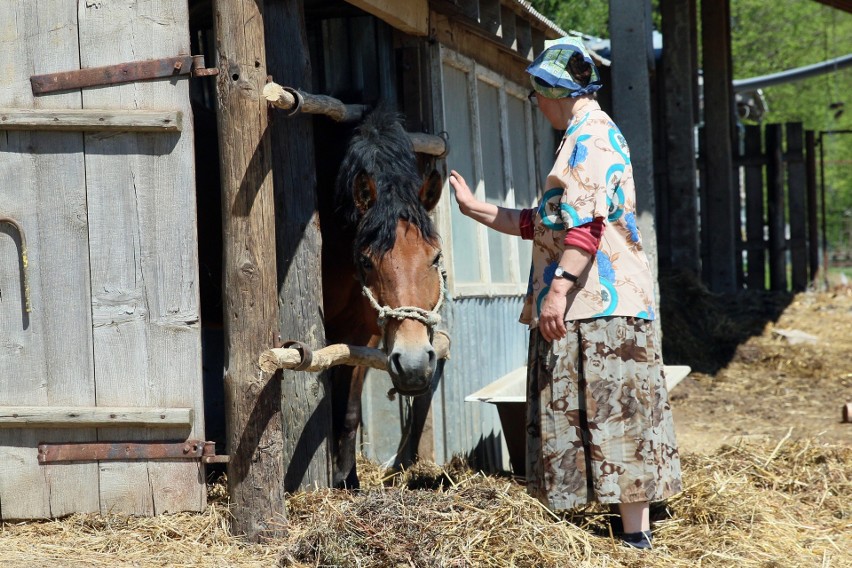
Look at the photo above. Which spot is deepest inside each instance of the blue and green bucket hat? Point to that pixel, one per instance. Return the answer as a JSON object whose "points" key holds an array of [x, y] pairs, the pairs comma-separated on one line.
{"points": [[550, 75]]}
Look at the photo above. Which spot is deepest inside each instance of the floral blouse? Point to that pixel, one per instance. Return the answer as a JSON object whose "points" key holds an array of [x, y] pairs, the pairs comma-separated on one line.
{"points": [[592, 177]]}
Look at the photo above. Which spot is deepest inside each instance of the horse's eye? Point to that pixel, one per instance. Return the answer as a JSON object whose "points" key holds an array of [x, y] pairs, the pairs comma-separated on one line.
{"points": [[365, 262], [437, 260]]}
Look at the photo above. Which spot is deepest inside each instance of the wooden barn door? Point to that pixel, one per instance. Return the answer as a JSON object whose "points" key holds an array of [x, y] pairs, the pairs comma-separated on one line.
{"points": [[109, 222]]}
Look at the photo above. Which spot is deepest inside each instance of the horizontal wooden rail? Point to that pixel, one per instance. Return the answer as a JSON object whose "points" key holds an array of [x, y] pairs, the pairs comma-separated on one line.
{"points": [[92, 416], [340, 354], [85, 120], [295, 101]]}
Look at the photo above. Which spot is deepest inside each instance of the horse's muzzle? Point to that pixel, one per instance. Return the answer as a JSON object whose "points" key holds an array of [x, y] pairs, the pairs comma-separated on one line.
{"points": [[411, 370]]}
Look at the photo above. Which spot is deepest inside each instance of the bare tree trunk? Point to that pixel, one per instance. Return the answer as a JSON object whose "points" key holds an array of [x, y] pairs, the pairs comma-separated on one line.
{"points": [[253, 402]]}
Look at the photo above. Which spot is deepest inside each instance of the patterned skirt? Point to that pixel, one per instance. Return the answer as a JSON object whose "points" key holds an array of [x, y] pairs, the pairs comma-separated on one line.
{"points": [[599, 424]]}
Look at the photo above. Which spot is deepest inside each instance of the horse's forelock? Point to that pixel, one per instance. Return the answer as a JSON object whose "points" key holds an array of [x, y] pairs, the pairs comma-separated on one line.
{"points": [[383, 150], [377, 228]]}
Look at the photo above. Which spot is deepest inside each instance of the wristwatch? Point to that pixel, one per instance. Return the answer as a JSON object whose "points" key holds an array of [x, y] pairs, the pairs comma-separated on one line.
{"points": [[562, 273]]}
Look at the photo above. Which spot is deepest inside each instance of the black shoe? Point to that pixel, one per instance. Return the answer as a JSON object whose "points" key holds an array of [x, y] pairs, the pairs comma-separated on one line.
{"points": [[640, 539]]}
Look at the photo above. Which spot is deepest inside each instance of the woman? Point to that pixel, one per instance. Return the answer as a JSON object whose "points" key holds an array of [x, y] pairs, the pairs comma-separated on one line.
{"points": [[599, 423]]}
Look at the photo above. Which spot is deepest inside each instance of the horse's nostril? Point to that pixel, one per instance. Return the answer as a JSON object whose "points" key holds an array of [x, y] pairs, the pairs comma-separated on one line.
{"points": [[395, 363], [432, 358]]}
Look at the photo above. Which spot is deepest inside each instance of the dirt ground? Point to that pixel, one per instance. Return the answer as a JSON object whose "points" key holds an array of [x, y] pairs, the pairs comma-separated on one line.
{"points": [[764, 383]]}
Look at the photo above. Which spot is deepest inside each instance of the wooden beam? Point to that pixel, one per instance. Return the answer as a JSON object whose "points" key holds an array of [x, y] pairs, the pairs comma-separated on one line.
{"points": [[340, 354], [681, 189], [489, 15], [813, 227], [630, 30], [85, 120], [411, 17], [285, 98], [252, 401], [92, 416], [305, 402], [720, 195]]}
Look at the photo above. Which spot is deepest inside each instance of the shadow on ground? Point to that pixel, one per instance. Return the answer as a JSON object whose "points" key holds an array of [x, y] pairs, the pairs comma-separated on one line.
{"points": [[703, 329]]}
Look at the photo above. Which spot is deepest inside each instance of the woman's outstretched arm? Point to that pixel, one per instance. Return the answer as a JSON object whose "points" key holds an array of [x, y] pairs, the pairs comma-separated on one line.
{"points": [[498, 218]]}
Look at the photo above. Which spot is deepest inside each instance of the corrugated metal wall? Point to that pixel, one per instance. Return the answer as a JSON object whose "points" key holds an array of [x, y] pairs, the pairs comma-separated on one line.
{"points": [[488, 342]]}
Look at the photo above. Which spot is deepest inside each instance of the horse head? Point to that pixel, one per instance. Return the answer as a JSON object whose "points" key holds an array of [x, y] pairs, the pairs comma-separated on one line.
{"points": [[396, 249]]}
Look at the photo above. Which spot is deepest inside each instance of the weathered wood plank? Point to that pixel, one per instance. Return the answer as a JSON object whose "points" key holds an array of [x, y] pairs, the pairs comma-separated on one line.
{"points": [[797, 206], [775, 208], [143, 254], [84, 120], [92, 416], [755, 245], [411, 17], [48, 198], [256, 470]]}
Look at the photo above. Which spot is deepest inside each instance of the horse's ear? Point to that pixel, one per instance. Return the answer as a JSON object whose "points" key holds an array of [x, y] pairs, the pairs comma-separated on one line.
{"points": [[430, 192], [364, 191]]}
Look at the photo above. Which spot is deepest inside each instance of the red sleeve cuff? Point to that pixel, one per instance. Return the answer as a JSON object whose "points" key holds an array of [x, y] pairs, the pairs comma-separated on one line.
{"points": [[586, 237], [527, 224]]}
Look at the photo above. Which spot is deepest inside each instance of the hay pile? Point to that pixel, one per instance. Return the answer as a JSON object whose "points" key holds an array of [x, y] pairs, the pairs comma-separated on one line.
{"points": [[787, 504]]}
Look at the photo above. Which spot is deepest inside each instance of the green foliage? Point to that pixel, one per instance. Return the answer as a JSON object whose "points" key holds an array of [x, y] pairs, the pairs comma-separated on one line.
{"points": [[769, 37], [585, 16], [589, 17]]}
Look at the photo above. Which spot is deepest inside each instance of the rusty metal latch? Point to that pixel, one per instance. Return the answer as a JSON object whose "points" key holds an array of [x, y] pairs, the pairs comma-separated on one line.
{"points": [[114, 451], [122, 73], [24, 259]]}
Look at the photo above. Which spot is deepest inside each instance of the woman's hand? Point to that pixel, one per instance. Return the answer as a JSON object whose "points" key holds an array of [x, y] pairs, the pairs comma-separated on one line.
{"points": [[464, 195], [551, 322]]}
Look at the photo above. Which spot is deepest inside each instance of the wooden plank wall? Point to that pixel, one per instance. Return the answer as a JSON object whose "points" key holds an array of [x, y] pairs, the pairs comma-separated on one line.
{"points": [[46, 355], [113, 260]]}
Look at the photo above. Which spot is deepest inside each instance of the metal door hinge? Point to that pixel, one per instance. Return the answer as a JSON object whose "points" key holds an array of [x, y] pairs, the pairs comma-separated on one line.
{"points": [[113, 451], [122, 73]]}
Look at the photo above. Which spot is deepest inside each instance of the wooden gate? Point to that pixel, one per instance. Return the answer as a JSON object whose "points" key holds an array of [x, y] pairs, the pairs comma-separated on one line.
{"points": [[779, 208], [110, 350]]}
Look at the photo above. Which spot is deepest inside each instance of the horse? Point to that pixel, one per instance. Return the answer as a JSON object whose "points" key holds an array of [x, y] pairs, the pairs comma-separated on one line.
{"points": [[382, 271]]}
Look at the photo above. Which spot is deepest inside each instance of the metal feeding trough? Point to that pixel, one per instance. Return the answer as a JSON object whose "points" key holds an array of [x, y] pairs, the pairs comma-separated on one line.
{"points": [[509, 394]]}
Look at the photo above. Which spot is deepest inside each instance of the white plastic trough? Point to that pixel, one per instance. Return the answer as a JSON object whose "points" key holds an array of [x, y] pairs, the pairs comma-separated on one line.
{"points": [[509, 394]]}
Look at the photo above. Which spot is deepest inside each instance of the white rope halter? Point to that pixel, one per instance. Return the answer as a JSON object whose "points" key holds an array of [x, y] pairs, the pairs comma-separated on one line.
{"points": [[430, 318]]}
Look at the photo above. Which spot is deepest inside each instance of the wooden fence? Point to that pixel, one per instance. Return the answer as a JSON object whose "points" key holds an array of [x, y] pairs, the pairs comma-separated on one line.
{"points": [[777, 222]]}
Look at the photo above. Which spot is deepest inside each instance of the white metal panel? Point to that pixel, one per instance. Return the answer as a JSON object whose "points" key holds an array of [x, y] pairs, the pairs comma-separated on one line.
{"points": [[466, 265]]}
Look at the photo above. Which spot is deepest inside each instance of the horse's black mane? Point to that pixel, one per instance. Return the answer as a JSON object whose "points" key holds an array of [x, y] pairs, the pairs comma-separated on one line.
{"points": [[382, 148]]}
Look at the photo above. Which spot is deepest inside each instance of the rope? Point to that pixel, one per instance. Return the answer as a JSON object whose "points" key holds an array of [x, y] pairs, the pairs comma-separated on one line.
{"points": [[430, 318]]}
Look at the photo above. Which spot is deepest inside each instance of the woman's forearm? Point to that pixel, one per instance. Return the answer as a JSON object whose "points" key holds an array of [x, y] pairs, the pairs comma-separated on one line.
{"points": [[500, 219]]}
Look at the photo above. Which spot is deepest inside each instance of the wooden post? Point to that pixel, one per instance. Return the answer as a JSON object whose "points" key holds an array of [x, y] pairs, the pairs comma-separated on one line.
{"points": [[252, 401], [775, 208], [720, 194], [755, 245], [679, 79], [306, 399], [813, 227], [630, 29], [797, 207]]}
